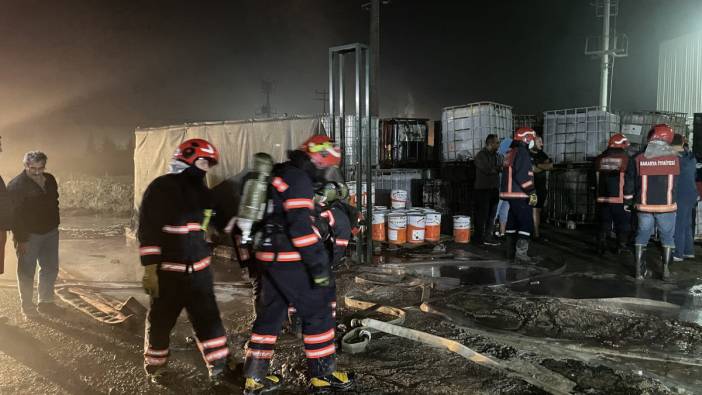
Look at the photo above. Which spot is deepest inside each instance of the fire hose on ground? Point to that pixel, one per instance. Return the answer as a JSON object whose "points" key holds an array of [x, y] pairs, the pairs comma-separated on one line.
{"points": [[358, 339]]}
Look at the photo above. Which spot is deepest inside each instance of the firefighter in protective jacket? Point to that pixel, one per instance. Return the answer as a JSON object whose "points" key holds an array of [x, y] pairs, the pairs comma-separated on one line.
{"points": [[173, 219], [296, 272], [656, 171], [612, 168], [518, 189], [337, 215]]}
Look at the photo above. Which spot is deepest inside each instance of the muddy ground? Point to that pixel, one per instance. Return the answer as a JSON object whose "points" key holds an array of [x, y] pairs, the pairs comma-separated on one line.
{"points": [[575, 323]]}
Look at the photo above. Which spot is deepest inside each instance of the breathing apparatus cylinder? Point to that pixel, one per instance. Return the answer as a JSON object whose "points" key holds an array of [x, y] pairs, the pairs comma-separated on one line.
{"points": [[253, 201]]}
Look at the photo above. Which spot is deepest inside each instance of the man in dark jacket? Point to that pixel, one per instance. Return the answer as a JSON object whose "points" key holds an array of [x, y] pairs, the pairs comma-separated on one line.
{"points": [[5, 219], [35, 229], [173, 219], [486, 195], [542, 165], [686, 199], [518, 189]]}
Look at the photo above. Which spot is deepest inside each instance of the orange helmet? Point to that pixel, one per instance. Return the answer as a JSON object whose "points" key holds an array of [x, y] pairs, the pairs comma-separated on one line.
{"points": [[190, 150], [618, 141], [526, 135], [322, 151], [661, 132]]}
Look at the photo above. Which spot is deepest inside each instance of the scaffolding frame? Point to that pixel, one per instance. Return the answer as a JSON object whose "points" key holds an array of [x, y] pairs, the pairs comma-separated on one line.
{"points": [[362, 162]]}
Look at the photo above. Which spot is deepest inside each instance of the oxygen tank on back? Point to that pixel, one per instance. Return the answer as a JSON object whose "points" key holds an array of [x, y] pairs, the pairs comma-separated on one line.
{"points": [[253, 200]]}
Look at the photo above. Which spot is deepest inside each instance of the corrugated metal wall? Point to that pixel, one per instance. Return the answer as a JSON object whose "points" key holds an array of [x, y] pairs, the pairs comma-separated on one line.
{"points": [[680, 74]]}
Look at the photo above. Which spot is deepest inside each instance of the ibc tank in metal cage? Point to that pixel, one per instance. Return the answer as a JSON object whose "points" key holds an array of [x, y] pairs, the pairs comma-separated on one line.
{"points": [[464, 128], [578, 134], [572, 195]]}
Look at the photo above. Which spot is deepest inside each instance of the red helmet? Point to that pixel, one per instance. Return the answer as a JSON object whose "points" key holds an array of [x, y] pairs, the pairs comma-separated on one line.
{"points": [[322, 151], [618, 141], [526, 135], [190, 150], [661, 132]]}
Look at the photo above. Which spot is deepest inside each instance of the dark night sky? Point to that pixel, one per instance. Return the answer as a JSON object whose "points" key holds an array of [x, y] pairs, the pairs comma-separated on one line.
{"points": [[69, 68]]}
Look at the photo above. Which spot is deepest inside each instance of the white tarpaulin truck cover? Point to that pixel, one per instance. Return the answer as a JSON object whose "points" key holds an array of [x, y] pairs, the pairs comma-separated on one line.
{"points": [[237, 142]]}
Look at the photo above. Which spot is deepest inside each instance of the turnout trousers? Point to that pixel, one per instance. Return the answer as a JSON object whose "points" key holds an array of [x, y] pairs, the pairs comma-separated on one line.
{"points": [[285, 284], [192, 291], [614, 213], [520, 220]]}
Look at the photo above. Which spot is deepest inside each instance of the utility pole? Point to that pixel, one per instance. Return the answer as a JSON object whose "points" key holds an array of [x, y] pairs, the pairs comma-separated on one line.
{"points": [[323, 96], [604, 72], [607, 47], [267, 89]]}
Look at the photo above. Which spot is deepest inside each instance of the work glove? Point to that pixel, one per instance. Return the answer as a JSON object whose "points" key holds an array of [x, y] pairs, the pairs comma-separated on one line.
{"points": [[321, 278], [150, 280], [628, 205], [533, 199]]}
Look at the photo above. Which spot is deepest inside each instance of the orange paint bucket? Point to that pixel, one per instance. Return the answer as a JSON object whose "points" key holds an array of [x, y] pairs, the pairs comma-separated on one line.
{"points": [[415, 227], [352, 192], [397, 228], [378, 226], [461, 229], [432, 228]]}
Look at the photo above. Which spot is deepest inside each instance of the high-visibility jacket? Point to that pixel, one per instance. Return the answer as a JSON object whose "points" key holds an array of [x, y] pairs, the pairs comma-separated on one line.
{"points": [[173, 214], [289, 235], [613, 167], [517, 177], [654, 183]]}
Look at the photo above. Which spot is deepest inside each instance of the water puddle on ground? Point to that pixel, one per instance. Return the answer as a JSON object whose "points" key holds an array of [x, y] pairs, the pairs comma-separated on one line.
{"points": [[471, 275], [687, 297]]}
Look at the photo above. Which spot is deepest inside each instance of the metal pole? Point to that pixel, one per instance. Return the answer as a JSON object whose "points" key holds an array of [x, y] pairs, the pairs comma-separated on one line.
{"points": [[369, 155], [332, 128], [374, 72], [342, 113], [358, 174], [604, 72]]}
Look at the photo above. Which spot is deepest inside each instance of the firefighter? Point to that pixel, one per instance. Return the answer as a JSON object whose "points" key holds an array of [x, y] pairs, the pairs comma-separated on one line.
{"points": [[174, 215], [296, 272], [518, 189], [338, 215], [613, 167], [655, 174]]}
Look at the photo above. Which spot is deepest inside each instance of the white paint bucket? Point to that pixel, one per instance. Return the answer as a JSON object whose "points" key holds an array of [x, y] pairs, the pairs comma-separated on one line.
{"points": [[398, 198], [461, 229]]}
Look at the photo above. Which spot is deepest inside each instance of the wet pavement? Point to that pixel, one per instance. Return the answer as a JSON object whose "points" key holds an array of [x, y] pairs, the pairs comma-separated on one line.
{"points": [[579, 317]]}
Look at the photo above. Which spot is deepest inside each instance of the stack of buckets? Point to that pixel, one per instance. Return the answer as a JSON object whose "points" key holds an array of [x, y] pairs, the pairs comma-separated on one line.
{"points": [[364, 189], [399, 225]]}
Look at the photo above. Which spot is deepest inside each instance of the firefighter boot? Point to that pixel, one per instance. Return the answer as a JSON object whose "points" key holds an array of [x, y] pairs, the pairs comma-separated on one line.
{"points": [[157, 376], [265, 385], [510, 245], [602, 243], [667, 257], [521, 256], [336, 381], [640, 261], [218, 371]]}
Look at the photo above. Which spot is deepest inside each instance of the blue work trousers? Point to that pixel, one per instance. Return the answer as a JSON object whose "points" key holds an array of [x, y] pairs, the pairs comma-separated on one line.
{"points": [[648, 223], [684, 237], [42, 248]]}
